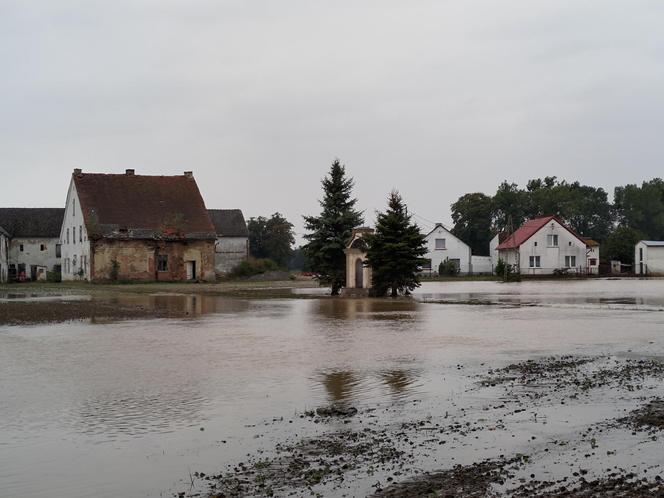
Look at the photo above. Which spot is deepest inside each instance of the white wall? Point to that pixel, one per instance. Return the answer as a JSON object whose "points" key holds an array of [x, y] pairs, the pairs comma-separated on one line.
{"points": [[75, 253], [230, 252], [454, 249], [653, 259], [493, 251], [552, 258], [33, 255], [481, 264]]}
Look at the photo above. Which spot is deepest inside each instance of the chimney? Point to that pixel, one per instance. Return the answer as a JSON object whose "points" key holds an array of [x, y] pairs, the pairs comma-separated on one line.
{"points": [[189, 174], [78, 171], [129, 172]]}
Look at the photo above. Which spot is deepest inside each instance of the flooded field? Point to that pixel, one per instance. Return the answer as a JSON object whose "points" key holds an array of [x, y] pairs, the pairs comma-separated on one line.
{"points": [[469, 389]]}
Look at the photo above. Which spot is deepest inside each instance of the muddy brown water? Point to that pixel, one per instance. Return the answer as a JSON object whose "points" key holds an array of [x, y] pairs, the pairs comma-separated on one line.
{"points": [[132, 407]]}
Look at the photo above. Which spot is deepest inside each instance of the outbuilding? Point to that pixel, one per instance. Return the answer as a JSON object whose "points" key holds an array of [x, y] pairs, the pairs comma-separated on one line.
{"points": [[33, 246], [232, 245], [649, 257]]}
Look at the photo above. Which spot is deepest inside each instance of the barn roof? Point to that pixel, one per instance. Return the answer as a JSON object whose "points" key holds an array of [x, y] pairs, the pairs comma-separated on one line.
{"points": [[142, 207], [32, 222], [530, 228], [229, 222]]}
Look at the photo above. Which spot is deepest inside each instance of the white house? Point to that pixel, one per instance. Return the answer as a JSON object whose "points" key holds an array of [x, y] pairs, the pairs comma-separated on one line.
{"points": [[649, 257], [232, 245], [33, 246], [443, 245], [4, 253], [543, 245]]}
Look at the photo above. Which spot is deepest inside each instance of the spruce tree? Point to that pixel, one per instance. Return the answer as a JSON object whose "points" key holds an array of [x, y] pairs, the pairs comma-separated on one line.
{"points": [[395, 250], [331, 230]]}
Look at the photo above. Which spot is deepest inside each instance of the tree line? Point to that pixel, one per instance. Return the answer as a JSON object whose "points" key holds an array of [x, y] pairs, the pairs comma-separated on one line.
{"points": [[636, 213]]}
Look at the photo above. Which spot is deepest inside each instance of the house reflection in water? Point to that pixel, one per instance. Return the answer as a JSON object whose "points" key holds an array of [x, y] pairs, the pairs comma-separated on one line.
{"points": [[340, 385], [185, 304]]}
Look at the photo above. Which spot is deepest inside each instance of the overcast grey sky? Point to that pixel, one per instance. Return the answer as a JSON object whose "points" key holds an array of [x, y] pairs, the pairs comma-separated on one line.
{"points": [[436, 98]]}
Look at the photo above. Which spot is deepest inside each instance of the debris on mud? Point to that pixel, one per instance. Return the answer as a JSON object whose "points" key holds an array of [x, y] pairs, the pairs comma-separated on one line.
{"points": [[333, 411], [650, 416], [472, 481], [307, 463]]}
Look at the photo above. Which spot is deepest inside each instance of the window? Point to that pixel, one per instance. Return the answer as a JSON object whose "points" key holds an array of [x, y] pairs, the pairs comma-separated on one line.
{"points": [[73, 230], [535, 262], [552, 240], [569, 243], [426, 264], [570, 261], [440, 244], [58, 250], [42, 247], [67, 235], [592, 261], [535, 243], [20, 247], [162, 262], [73, 207], [80, 233]]}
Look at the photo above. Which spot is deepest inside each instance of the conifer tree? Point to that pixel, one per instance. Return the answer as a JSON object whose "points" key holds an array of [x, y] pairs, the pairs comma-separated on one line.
{"points": [[330, 231], [395, 250]]}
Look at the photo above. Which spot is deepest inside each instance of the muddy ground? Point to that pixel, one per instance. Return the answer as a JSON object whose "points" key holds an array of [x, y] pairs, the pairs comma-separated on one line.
{"points": [[565, 426]]}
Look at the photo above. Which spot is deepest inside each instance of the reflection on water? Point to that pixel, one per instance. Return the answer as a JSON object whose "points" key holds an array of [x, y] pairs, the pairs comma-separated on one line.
{"points": [[340, 386], [370, 309], [188, 304], [400, 382]]}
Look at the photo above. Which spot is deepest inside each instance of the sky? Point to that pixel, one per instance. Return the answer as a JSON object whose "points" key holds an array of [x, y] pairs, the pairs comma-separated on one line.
{"points": [[258, 97]]}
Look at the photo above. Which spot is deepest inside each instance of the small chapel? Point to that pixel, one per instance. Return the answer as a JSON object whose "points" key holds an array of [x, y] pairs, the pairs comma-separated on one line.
{"points": [[358, 274]]}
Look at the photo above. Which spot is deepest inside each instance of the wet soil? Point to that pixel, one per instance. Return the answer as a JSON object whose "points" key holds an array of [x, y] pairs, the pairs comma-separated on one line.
{"points": [[603, 456], [26, 313]]}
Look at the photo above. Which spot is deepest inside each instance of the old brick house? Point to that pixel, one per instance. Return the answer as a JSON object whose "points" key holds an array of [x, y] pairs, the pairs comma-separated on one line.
{"points": [[136, 227]]}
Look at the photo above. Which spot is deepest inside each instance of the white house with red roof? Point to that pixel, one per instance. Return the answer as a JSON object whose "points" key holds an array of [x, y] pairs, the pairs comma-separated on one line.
{"points": [[541, 246]]}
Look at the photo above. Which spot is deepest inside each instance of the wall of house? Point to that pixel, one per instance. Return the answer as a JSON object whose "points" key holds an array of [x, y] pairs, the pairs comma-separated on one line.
{"points": [[75, 250], [352, 255], [454, 249], [592, 256], [481, 264], [230, 252], [4, 258], [137, 259], [33, 255], [493, 250], [652, 262], [552, 258], [509, 256]]}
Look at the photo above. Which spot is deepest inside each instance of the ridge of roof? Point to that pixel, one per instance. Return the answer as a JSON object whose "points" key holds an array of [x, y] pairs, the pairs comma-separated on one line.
{"points": [[530, 228]]}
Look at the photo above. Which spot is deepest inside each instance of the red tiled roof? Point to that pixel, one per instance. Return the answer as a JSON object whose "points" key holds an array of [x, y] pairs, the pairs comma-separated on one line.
{"points": [[141, 206], [530, 228]]}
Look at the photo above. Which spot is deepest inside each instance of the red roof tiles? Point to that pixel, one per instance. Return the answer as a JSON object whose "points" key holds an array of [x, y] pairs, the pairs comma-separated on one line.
{"points": [[530, 228], [141, 206]]}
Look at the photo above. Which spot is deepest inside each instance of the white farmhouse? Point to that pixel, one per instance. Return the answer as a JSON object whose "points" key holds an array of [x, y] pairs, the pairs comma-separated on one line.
{"points": [[443, 245], [543, 245], [33, 248], [232, 245], [649, 257]]}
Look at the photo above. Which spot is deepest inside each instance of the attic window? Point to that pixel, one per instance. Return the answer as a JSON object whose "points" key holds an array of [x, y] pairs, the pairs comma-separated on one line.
{"points": [[440, 244], [20, 247]]}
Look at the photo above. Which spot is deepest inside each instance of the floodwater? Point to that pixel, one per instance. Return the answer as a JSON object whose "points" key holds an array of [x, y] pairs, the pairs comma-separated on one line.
{"points": [[132, 408]]}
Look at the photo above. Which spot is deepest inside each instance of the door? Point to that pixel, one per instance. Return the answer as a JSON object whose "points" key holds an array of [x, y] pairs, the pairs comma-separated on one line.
{"points": [[191, 270], [33, 272], [359, 274]]}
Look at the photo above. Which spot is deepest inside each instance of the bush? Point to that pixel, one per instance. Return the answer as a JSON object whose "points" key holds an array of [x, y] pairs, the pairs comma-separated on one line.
{"points": [[53, 276], [252, 267], [506, 272], [448, 268]]}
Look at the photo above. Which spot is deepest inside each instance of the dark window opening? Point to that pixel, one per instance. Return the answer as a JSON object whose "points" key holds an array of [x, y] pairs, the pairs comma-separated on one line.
{"points": [[42, 247], [20, 247], [162, 262], [58, 250]]}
